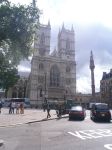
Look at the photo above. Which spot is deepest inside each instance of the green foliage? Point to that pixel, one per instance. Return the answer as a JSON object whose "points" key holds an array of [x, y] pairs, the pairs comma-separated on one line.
{"points": [[8, 73], [18, 24], [17, 28]]}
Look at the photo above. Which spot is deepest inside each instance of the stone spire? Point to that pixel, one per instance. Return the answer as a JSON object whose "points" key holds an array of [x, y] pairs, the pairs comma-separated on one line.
{"points": [[49, 23], [92, 66], [72, 29], [63, 27]]}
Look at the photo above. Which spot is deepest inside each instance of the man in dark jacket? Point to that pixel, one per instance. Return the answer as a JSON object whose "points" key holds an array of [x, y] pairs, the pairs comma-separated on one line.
{"points": [[0, 106], [48, 111]]}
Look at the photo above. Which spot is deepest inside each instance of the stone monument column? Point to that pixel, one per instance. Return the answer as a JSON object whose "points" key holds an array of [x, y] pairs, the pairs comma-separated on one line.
{"points": [[92, 67]]}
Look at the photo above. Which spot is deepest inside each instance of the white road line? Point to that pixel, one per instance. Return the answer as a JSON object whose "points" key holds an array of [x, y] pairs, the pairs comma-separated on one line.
{"points": [[87, 117], [108, 146], [92, 134]]}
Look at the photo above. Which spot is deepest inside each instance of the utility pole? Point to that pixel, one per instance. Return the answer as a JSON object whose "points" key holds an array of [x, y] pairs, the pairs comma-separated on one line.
{"points": [[45, 96]]}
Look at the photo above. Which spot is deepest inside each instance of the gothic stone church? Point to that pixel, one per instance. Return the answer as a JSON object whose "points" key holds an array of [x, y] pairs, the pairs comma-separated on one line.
{"points": [[53, 74]]}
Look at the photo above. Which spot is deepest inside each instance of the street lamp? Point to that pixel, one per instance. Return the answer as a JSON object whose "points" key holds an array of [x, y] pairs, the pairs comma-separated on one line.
{"points": [[45, 95]]}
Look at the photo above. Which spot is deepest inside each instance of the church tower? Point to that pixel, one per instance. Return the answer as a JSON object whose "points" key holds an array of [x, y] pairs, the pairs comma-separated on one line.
{"points": [[42, 40], [66, 51], [66, 43], [92, 67]]}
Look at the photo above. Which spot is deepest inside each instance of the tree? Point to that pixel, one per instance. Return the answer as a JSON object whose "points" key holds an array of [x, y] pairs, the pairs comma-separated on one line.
{"points": [[8, 73], [17, 28], [18, 24]]}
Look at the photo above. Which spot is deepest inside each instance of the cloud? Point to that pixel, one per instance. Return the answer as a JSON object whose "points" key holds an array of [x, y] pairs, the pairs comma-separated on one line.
{"points": [[96, 38], [24, 66], [93, 31]]}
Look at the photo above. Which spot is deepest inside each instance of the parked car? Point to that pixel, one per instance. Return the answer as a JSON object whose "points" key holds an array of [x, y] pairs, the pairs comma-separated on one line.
{"points": [[100, 111], [77, 112]]}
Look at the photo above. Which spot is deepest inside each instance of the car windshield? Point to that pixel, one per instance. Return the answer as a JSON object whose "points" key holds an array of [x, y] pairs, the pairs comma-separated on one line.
{"points": [[77, 108], [102, 106]]}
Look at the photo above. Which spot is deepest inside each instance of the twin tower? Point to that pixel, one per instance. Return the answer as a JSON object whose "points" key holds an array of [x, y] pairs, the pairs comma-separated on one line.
{"points": [[65, 45], [53, 72]]}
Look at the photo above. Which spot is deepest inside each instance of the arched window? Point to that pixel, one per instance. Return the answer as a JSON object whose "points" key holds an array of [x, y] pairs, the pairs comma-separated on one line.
{"points": [[40, 92], [67, 44], [42, 39], [20, 92], [41, 66], [67, 69], [54, 76], [14, 93]]}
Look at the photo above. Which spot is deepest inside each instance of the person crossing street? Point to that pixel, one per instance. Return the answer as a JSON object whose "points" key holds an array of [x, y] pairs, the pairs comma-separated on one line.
{"points": [[0, 106], [48, 111]]}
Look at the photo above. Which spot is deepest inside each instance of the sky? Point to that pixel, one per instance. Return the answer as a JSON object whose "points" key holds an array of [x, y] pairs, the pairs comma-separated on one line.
{"points": [[92, 22]]}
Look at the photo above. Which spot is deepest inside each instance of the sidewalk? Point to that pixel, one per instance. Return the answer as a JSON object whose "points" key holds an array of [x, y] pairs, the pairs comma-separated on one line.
{"points": [[29, 116]]}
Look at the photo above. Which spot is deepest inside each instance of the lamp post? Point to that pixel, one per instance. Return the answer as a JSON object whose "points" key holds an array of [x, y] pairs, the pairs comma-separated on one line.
{"points": [[45, 95]]}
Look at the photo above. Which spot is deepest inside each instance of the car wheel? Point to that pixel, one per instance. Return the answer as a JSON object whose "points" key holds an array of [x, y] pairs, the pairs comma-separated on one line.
{"points": [[94, 119], [82, 118], [108, 120]]}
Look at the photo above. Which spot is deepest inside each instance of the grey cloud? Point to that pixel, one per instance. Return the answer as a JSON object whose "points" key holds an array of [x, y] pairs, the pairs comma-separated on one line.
{"points": [[96, 38]]}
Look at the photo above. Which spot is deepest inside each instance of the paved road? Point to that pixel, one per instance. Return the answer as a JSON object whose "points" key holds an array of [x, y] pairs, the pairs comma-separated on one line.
{"points": [[58, 134]]}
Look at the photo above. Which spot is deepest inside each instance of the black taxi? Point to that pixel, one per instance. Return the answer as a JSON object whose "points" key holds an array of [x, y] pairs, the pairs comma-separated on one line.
{"points": [[100, 111]]}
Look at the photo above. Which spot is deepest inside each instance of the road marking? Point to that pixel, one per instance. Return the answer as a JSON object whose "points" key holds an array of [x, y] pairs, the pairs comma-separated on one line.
{"points": [[87, 117], [108, 146], [92, 134]]}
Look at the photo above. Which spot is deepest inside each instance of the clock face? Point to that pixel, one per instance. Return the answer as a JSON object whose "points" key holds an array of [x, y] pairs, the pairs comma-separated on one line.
{"points": [[42, 51]]}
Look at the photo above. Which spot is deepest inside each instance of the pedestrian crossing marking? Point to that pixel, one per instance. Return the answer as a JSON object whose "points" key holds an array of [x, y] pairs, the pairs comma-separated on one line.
{"points": [[92, 134]]}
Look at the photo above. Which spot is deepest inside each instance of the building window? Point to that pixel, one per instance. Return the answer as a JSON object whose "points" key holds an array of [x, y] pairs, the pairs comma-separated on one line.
{"points": [[68, 81], [54, 76], [67, 44], [14, 93], [40, 92], [41, 66], [42, 39], [40, 79], [20, 92], [67, 69]]}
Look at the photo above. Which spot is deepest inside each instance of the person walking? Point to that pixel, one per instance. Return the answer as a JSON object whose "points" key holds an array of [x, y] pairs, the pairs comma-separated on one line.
{"points": [[48, 111], [13, 107], [0, 106], [17, 108], [10, 108], [59, 110], [44, 107], [21, 108]]}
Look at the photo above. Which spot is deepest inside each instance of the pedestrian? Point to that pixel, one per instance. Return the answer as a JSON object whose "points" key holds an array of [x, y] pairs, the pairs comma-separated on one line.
{"points": [[0, 106], [17, 108], [10, 108], [48, 111], [44, 107], [13, 107], [21, 108], [59, 111]]}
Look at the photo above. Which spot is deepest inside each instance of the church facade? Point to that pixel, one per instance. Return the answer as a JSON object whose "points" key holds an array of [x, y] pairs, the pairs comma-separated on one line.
{"points": [[53, 74]]}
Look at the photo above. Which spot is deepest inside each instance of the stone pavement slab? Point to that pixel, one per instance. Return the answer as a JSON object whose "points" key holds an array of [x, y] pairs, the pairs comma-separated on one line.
{"points": [[29, 116]]}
